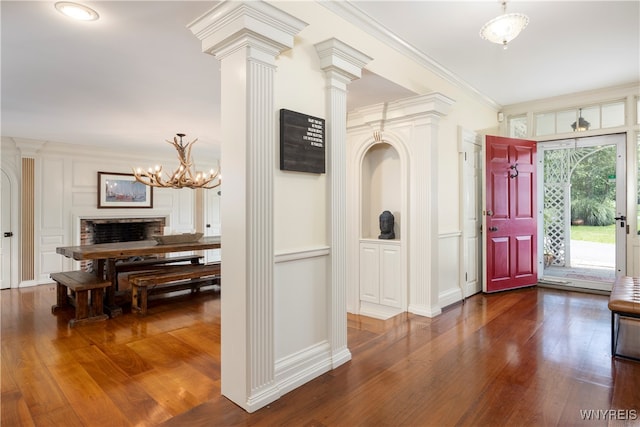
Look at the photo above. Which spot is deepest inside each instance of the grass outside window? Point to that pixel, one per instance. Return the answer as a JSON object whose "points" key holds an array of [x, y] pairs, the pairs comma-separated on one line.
{"points": [[594, 233]]}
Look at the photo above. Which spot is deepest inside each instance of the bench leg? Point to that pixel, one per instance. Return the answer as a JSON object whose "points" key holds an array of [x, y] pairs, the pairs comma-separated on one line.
{"points": [[97, 302], [82, 304], [134, 298], [86, 313], [143, 300], [61, 298], [139, 299], [613, 333]]}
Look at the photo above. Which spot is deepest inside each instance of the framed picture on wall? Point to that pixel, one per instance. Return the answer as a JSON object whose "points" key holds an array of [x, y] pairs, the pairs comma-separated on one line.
{"points": [[121, 190]]}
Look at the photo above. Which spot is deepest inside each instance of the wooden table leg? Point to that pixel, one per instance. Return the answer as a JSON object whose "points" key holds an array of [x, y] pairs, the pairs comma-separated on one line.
{"points": [[110, 306]]}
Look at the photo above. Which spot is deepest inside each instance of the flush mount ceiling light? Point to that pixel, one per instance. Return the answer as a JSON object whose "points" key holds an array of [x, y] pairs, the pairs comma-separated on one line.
{"points": [[504, 28], [76, 11]]}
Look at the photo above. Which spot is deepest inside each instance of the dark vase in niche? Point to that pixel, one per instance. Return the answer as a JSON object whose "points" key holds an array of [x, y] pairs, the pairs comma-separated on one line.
{"points": [[386, 226]]}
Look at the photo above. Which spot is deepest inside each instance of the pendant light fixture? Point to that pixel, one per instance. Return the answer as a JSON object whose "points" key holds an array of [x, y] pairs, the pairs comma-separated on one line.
{"points": [[581, 124], [504, 28]]}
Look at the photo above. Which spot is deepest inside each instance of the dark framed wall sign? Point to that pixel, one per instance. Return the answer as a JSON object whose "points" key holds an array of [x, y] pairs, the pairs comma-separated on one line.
{"points": [[302, 142], [121, 190]]}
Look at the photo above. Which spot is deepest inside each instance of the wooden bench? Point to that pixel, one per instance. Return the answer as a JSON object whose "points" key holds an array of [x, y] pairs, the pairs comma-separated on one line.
{"points": [[87, 295], [145, 264], [123, 268], [624, 301], [170, 279]]}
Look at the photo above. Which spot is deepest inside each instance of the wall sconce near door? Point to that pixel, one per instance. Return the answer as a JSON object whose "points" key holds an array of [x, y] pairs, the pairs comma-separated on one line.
{"points": [[581, 124]]}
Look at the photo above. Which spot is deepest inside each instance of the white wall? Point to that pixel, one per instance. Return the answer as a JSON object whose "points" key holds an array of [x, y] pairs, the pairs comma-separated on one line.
{"points": [[389, 62]]}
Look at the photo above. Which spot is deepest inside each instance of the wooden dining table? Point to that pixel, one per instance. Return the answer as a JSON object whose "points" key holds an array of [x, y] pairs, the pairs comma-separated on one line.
{"points": [[105, 255]]}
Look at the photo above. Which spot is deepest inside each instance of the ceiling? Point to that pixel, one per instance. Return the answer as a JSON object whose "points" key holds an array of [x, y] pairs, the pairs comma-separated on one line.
{"points": [[137, 76]]}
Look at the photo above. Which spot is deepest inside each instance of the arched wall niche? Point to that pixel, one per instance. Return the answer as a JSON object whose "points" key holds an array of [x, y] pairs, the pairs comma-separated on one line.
{"points": [[381, 182], [383, 172]]}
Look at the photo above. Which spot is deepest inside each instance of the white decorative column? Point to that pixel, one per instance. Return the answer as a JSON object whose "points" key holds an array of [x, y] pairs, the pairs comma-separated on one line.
{"points": [[423, 242], [341, 64], [247, 37]]}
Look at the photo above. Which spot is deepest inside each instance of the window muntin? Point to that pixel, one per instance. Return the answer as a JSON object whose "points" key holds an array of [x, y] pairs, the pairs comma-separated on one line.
{"points": [[601, 116]]}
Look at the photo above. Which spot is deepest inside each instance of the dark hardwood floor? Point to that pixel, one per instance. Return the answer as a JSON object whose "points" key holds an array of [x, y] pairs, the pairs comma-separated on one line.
{"points": [[533, 357]]}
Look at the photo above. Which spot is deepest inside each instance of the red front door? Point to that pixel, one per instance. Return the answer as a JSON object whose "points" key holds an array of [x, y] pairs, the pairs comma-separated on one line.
{"points": [[510, 214]]}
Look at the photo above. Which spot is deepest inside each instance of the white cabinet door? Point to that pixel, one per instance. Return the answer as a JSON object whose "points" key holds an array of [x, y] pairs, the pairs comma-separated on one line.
{"points": [[369, 273], [390, 276], [381, 278]]}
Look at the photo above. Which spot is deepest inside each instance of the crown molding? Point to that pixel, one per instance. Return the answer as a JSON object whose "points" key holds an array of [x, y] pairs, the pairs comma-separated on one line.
{"points": [[351, 13]]}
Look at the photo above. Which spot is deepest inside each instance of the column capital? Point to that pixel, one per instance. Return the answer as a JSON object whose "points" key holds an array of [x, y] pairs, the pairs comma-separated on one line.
{"points": [[239, 23], [338, 57], [28, 147]]}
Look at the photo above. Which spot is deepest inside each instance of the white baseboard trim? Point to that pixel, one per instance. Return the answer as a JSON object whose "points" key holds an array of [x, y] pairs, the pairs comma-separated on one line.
{"points": [[425, 311], [473, 289], [262, 399], [340, 358], [449, 297], [29, 283], [378, 311], [299, 368]]}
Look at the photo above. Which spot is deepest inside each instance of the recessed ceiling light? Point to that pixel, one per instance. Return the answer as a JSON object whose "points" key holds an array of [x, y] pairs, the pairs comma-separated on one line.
{"points": [[76, 11]]}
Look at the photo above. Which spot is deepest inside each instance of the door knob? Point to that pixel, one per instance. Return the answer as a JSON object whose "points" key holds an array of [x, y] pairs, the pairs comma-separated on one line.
{"points": [[8, 234], [493, 228]]}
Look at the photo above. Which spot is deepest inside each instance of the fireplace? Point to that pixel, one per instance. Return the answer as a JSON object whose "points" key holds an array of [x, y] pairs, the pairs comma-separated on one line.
{"points": [[111, 230]]}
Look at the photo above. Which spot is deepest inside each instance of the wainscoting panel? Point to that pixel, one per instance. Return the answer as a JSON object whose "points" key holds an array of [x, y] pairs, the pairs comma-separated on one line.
{"points": [[300, 293], [52, 187], [85, 176], [449, 268], [84, 199], [59, 186]]}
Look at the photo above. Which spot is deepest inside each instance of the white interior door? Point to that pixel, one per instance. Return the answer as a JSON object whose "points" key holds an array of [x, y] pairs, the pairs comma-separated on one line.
{"points": [[471, 166], [7, 233], [212, 225]]}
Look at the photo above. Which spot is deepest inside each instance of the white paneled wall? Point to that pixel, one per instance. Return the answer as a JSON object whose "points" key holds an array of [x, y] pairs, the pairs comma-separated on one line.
{"points": [[66, 192]]}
